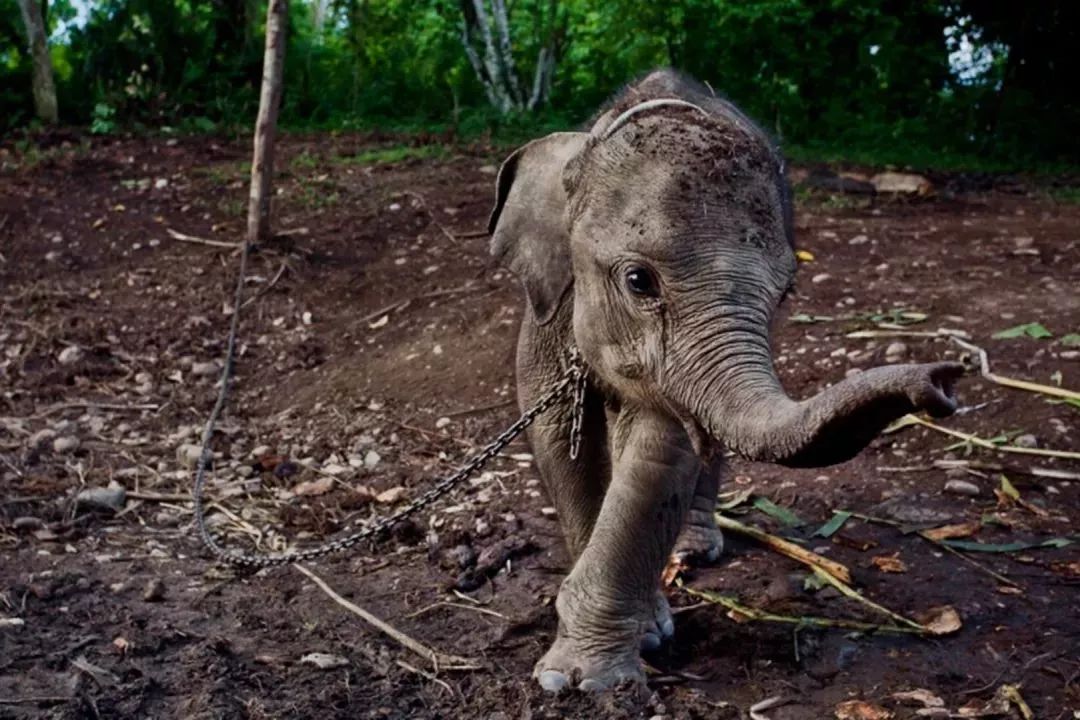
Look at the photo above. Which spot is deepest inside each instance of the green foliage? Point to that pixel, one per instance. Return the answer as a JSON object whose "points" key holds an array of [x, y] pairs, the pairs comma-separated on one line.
{"points": [[1034, 330], [858, 80]]}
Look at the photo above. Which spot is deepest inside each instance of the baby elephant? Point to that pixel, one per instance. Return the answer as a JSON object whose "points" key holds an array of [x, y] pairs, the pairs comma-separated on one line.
{"points": [[659, 244]]}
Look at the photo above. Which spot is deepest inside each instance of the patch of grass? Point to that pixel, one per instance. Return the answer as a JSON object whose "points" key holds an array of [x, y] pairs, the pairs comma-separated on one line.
{"points": [[1068, 195], [396, 154]]}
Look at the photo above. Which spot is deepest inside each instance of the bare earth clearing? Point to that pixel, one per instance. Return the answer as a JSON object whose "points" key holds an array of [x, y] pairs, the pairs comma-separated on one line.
{"points": [[385, 316]]}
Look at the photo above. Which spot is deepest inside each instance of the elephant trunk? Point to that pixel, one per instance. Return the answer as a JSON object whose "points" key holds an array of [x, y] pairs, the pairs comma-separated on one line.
{"points": [[744, 406]]}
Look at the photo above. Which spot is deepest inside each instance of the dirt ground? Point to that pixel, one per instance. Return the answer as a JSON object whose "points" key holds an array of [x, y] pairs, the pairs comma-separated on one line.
{"points": [[377, 353]]}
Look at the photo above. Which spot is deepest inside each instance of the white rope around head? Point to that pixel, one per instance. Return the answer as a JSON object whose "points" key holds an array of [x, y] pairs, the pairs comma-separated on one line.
{"points": [[649, 105]]}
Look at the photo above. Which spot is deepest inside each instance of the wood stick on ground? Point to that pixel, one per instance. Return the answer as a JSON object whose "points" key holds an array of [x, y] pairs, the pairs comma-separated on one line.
{"points": [[801, 620], [785, 548], [849, 592], [984, 370], [983, 443], [437, 659], [943, 332], [184, 237], [85, 405]]}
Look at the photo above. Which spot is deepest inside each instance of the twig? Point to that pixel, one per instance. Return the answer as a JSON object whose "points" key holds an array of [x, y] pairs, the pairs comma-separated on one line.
{"points": [[439, 660], [424, 673], [16, 470], [461, 606], [849, 592], [118, 407], [273, 282], [802, 620], [785, 548], [431, 215], [984, 370], [472, 234], [943, 332], [768, 703], [980, 442], [182, 237], [482, 408]]}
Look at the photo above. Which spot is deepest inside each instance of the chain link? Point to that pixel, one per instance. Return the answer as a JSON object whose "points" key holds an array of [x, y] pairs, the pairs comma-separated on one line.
{"points": [[572, 382]]}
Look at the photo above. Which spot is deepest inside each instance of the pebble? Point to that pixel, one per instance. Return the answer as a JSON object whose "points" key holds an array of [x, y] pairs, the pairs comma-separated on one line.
{"points": [[371, 459], [859, 240], [70, 355], [324, 661], [204, 369], [1026, 440], [390, 496], [111, 498], [260, 451], [441, 423], [154, 591], [65, 444], [895, 352], [245, 471], [962, 487], [41, 438], [188, 455], [820, 278]]}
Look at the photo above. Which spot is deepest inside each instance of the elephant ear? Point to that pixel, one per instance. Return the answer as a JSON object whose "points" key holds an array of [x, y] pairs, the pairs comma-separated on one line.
{"points": [[528, 225]]}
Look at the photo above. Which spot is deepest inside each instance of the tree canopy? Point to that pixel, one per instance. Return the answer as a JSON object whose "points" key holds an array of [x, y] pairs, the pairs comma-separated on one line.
{"points": [[947, 76]]}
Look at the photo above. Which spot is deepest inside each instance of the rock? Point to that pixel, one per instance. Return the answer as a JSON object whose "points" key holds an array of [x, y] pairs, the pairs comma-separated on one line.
{"points": [[260, 451], [335, 469], [11, 623], [111, 498], [902, 183], [27, 523], [42, 438], [204, 369], [245, 471], [324, 661], [962, 487], [70, 355], [1027, 440], [463, 555], [65, 444], [820, 278], [441, 423], [390, 496], [188, 455], [896, 352], [371, 459], [858, 240], [154, 591]]}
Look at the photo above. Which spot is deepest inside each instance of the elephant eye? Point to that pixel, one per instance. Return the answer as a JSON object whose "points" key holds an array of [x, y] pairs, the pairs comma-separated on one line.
{"points": [[642, 282]]}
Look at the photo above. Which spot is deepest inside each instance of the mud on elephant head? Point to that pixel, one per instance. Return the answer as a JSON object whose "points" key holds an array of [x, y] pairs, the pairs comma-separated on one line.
{"points": [[668, 228]]}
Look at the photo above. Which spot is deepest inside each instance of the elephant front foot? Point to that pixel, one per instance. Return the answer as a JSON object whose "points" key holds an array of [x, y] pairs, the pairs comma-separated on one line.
{"points": [[584, 665], [700, 539]]}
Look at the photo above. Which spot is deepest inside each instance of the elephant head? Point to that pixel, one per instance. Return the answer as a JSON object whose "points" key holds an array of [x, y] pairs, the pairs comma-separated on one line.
{"points": [[668, 228]]}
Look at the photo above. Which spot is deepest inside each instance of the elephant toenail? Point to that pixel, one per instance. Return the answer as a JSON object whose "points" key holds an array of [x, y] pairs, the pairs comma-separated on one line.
{"points": [[667, 627], [590, 685], [553, 680], [650, 641]]}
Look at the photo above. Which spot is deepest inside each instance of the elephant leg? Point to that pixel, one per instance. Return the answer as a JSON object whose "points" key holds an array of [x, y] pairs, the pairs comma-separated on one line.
{"points": [[700, 538], [608, 601]]}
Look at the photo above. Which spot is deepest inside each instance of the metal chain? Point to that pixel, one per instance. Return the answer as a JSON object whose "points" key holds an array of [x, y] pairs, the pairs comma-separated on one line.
{"points": [[572, 381]]}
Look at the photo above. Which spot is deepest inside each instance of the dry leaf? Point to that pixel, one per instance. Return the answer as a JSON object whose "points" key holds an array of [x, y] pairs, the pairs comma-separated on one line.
{"points": [[940, 620], [860, 710], [950, 532], [390, 496], [920, 697], [675, 567], [889, 563], [994, 707], [321, 486], [804, 256]]}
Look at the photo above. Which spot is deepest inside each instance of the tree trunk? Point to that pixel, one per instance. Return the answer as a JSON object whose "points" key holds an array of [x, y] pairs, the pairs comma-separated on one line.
{"points": [[44, 89], [262, 162]]}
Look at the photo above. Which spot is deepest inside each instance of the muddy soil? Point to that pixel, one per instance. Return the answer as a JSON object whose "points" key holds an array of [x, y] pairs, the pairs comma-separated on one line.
{"points": [[377, 353]]}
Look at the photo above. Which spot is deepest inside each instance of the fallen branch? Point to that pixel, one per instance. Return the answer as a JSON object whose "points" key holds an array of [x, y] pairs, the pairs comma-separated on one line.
{"points": [[438, 660], [942, 332], [750, 613], [785, 548], [984, 370], [981, 442], [182, 237]]}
